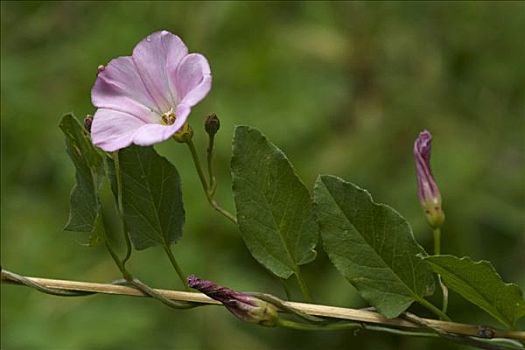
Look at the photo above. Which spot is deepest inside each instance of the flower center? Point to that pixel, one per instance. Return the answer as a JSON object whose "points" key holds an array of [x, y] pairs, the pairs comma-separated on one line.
{"points": [[168, 118]]}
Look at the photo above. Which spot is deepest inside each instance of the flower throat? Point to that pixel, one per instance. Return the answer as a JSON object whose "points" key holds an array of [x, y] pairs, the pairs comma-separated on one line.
{"points": [[168, 118]]}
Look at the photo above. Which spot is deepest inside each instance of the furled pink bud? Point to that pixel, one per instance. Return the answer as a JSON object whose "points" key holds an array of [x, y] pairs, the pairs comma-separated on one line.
{"points": [[243, 306], [427, 189]]}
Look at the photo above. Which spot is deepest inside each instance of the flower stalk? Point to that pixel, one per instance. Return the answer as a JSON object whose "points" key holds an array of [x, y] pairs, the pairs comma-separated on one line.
{"points": [[211, 126], [204, 183]]}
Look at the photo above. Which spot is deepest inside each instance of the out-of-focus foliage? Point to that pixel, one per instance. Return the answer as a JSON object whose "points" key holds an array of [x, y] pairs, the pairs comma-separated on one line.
{"points": [[343, 88]]}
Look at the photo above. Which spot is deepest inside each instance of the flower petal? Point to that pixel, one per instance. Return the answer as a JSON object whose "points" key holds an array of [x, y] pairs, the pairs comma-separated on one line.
{"points": [[120, 87], [154, 133], [112, 130], [151, 57], [192, 79]]}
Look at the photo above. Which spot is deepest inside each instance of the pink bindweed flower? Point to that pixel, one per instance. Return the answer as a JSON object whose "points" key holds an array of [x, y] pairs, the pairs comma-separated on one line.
{"points": [[145, 98], [427, 189]]}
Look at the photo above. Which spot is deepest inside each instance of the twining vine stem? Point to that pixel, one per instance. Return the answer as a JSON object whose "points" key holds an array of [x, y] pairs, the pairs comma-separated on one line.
{"points": [[473, 334]]}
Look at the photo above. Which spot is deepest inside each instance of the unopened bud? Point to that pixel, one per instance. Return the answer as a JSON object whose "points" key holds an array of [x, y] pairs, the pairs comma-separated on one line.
{"points": [[88, 121], [243, 306], [427, 189], [212, 124], [184, 135]]}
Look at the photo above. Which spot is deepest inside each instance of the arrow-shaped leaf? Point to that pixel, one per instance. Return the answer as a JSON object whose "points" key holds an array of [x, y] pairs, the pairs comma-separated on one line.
{"points": [[479, 283], [151, 197], [84, 201], [274, 207], [371, 245]]}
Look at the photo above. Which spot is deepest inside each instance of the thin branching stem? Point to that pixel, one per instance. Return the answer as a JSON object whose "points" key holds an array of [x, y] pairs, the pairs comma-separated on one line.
{"points": [[207, 190]]}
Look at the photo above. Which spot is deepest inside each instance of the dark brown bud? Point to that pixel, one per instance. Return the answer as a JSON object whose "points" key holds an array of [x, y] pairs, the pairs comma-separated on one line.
{"points": [[212, 124], [88, 121]]}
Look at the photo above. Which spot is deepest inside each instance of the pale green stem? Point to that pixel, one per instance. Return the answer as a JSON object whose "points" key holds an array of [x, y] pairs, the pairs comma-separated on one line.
{"points": [[302, 285], [286, 289], [349, 325], [437, 251], [138, 284], [204, 183], [176, 266], [211, 177], [437, 241], [434, 309]]}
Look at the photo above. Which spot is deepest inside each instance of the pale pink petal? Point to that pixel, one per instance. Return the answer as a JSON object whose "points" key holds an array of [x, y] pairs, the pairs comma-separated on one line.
{"points": [[154, 133], [192, 79], [151, 57], [112, 130], [120, 87]]}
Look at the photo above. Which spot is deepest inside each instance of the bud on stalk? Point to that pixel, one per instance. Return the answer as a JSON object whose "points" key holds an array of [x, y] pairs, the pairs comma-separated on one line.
{"points": [[427, 189], [212, 124]]}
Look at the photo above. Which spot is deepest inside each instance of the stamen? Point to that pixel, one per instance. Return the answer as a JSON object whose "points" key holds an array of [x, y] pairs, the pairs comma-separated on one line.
{"points": [[168, 118]]}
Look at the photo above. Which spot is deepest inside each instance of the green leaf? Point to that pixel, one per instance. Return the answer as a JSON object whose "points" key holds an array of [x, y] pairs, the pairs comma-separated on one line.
{"points": [[151, 197], [372, 246], [84, 201], [274, 207], [479, 283]]}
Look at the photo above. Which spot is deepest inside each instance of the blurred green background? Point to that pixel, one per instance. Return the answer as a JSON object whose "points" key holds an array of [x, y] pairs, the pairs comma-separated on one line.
{"points": [[342, 88]]}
